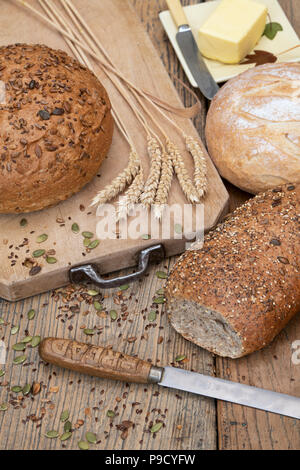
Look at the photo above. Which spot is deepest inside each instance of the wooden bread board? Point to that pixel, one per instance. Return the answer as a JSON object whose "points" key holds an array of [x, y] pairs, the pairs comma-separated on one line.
{"points": [[119, 29]]}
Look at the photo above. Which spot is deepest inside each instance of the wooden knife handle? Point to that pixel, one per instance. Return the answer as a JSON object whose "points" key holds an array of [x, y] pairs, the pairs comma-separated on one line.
{"points": [[98, 361], [177, 12]]}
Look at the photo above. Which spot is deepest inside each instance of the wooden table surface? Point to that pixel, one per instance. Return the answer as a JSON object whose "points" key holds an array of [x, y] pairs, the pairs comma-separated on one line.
{"points": [[122, 415]]}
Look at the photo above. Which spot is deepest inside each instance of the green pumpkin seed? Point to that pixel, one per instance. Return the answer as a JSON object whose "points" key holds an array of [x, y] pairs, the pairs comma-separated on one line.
{"points": [[19, 347], [23, 222], [75, 228], [159, 300], [161, 275], [113, 315], [180, 358], [3, 407], [19, 360], [110, 414], [156, 427], [64, 416], [91, 437], [51, 260], [65, 436], [67, 426], [38, 253], [152, 315], [160, 292], [92, 292], [16, 389], [27, 339], [124, 287], [94, 244], [83, 445], [31, 314], [86, 242], [88, 331], [35, 341], [97, 305], [26, 389], [87, 234], [2, 321], [146, 237], [14, 330], [42, 238], [52, 434], [2, 372]]}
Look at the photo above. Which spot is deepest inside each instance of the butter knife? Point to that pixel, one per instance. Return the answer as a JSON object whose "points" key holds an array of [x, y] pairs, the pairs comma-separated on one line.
{"points": [[190, 51]]}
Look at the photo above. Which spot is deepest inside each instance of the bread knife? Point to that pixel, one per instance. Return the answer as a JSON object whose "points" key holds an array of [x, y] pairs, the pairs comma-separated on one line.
{"points": [[109, 364], [190, 51]]}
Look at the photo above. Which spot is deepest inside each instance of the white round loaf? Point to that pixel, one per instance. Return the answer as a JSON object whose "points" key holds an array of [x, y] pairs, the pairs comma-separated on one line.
{"points": [[253, 127]]}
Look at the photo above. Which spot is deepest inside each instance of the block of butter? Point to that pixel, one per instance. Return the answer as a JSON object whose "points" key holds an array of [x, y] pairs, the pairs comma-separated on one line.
{"points": [[232, 30]]}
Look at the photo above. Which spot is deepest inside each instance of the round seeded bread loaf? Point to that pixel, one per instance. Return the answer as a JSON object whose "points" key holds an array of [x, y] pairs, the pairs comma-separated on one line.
{"points": [[253, 127], [235, 294], [55, 127]]}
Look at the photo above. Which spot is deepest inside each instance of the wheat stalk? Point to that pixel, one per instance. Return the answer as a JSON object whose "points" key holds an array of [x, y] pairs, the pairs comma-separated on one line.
{"points": [[164, 186], [200, 171], [154, 150], [131, 196], [184, 180], [119, 183]]}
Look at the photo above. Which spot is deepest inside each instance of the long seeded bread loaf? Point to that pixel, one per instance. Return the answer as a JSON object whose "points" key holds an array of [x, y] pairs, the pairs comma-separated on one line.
{"points": [[238, 291], [55, 127]]}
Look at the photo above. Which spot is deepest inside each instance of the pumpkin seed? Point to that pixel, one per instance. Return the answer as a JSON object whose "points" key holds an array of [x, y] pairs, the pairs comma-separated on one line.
{"points": [[26, 389], [87, 234], [180, 358], [2, 372], [160, 292], [23, 222], [91, 437], [97, 305], [38, 253], [31, 314], [86, 242], [113, 315], [88, 331], [3, 407], [35, 341], [110, 414], [67, 426], [161, 275], [156, 427], [16, 389], [27, 339], [159, 300], [75, 228], [19, 360], [2, 321], [124, 287], [92, 292], [42, 238], [65, 436], [19, 347], [52, 434], [94, 244], [146, 236], [51, 260], [64, 416], [152, 315], [14, 330], [83, 445]]}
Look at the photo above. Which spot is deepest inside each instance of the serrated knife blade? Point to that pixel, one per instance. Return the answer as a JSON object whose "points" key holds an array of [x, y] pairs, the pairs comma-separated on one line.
{"points": [[233, 392]]}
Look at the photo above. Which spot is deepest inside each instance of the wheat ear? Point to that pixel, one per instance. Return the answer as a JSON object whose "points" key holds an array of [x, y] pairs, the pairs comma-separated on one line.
{"points": [[164, 186], [185, 182], [131, 196], [200, 172], [119, 183], [155, 153]]}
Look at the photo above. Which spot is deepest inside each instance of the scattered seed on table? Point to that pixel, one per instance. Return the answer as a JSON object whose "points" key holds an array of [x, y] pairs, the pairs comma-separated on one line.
{"points": [[42, 238], [113, 315], [27, 339], [16, 389], [161, 275], [160, 292], [51, 260], [92, 292], [146, 237], [75, 228], [23, 222], [83, 445], [14, 330], [97, 305], [31, 314], [124, 287], [26, 389], [52, 434], [35, 341], [152, 315], [88, 331], [19, 347], [91, 437], [19, 360], [159, 300], [2, 321], [3, 407], [87, 234], [2, 372], [180, 358], [93, 244], [64, 416], [110, 414], [156, 427], [38, 253], [86, 242], [67, 426], [65, 436]]}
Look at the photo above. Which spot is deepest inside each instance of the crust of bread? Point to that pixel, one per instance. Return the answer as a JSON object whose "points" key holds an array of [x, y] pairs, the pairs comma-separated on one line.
{"points": [[246, 276], [253, 127], [56, 127]]}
